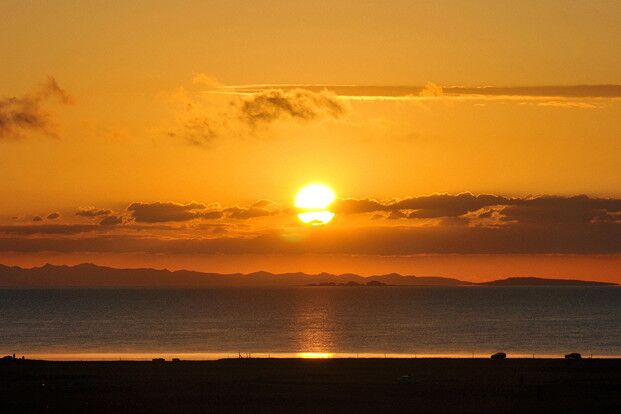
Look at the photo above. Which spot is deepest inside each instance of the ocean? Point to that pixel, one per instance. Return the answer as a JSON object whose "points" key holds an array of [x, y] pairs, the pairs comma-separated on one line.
{"points": [[310, 321]]}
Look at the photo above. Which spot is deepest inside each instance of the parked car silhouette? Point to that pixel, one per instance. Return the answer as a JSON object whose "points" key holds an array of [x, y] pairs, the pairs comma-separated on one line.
{"points": [[573, 355], [499, 355]]}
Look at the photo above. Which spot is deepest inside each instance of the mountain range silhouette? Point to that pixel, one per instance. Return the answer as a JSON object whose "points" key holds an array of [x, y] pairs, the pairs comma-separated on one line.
{"points": [[90, 275]]}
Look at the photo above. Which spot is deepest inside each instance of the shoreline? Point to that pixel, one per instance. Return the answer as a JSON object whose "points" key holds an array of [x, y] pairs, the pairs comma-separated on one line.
{"points": [[216, 356], [313, 385]]}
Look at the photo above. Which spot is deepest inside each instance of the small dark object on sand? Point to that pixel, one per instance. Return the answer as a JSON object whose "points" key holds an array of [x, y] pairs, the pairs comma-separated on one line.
{"points": [[405, 379], [158, 360], [573, 355], [499, 355], [176, 360]]}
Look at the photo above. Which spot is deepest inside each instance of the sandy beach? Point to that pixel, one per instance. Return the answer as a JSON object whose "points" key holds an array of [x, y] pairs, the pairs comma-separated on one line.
{"points": [[313, 385]]}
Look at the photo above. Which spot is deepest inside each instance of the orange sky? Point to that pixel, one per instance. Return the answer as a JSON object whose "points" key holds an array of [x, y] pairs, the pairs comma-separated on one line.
{"points": [[456, 135]]}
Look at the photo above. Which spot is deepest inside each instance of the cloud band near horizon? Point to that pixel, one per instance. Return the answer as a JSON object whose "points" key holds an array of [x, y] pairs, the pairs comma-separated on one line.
{"points": [[442, 223]]}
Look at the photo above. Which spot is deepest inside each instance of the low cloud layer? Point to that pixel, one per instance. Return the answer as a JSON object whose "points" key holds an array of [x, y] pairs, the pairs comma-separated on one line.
{"points": [[27, 230], [27, 114], [161, 212], [248, 213], [92, 212], [111, 221], [441, 223], [599, 238], [542, 209]]}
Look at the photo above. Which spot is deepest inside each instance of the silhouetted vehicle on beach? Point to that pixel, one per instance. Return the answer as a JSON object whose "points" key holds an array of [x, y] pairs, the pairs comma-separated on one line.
{"points": [[499, 355], [573, 355]]}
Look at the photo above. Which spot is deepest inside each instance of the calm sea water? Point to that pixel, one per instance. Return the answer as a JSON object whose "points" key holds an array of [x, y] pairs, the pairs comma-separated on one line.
{"points": [[205, 323]]}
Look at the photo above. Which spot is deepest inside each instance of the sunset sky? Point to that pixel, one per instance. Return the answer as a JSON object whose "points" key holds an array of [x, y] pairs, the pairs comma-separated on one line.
{"points": [[476, 140]]}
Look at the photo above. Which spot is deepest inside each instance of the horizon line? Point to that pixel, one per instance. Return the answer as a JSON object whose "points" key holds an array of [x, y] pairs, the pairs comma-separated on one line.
{"points": [[453, 278]]}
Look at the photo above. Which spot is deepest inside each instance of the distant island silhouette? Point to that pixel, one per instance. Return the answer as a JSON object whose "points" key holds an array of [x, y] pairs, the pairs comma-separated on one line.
{"points": [[372, 283], [90, 275]]}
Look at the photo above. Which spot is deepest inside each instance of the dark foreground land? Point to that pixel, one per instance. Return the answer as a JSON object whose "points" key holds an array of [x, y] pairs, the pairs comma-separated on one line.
{"points": [[296, 385]]}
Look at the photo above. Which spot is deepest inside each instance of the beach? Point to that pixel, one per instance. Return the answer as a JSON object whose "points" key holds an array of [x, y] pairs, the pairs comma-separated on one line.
{"points": [[431, 385]]}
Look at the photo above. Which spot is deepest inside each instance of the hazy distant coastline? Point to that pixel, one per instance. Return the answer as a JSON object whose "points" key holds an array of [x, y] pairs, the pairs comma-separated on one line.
{"points": [[90, 275]]}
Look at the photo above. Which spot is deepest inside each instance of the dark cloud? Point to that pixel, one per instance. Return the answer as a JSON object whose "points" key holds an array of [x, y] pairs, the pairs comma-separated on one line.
{"points": [[262, 203], [53, 216], [246, 113], [168, 211], [160, 212], [301, 104], [396, 214], [433, 206], [353, 206], [111, 221], [92, 212], [485, 214], [27, 113], [445, 205], [542, 210], [247, 213], [454, 221], [551, 209]]}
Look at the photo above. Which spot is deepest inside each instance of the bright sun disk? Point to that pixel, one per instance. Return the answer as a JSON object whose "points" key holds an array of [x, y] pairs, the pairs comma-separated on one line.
{"points": [[313, 202]]}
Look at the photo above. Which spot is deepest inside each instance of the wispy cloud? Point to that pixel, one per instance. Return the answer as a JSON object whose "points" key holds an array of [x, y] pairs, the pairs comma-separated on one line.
{"points": [[210, 110], [432, 90], [570, 104], [246, 114], [298, 104], [26, 114]]}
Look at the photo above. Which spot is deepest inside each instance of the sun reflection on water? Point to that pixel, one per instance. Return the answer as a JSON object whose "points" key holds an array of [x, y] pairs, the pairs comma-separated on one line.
{"points": [[315, 355]]}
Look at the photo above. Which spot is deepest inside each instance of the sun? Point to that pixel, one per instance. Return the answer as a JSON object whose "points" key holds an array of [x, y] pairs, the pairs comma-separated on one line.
{"points": [[313, 201]]}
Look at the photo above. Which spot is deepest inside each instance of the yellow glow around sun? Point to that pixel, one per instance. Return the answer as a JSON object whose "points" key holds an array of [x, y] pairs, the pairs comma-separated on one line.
{"points": [[313, 202], [314, 196]]}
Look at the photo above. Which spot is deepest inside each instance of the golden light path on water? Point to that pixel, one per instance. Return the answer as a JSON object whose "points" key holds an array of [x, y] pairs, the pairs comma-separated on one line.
{"points": [[312, 202], [315, 355]]}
